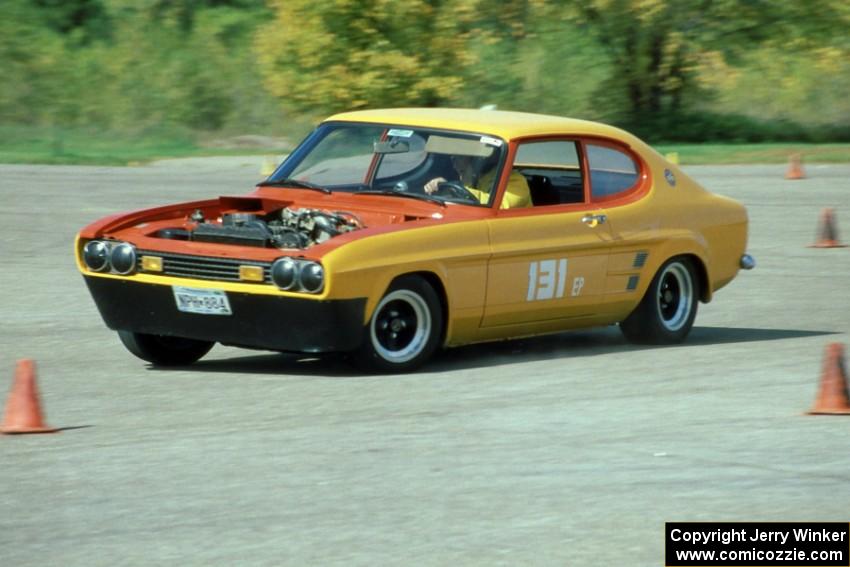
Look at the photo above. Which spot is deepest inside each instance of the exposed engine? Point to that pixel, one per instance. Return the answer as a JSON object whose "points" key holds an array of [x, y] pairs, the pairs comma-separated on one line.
{"points": [[285, 228]]}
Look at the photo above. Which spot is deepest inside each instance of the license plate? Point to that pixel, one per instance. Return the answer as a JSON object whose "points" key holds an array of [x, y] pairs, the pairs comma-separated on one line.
{"points": [[203, 301]]}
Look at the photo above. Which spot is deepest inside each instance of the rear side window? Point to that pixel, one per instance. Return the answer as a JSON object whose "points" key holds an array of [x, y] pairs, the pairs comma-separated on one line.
{"points": [[554, 153], [612, 172]]}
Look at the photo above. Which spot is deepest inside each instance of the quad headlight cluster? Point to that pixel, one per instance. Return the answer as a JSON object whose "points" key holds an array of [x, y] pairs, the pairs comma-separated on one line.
{"points": [[298, 275], [110, 256]]}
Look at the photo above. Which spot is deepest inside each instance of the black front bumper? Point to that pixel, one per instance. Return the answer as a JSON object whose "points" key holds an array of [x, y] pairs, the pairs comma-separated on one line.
{"points": [[258, 321]]}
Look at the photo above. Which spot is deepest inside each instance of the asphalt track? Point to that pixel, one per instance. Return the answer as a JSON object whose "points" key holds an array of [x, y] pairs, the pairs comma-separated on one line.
{"points": [[566, 450]]}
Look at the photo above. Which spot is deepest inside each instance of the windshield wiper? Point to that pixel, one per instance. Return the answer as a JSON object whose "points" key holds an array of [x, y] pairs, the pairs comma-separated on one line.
{"points": [[417, 196], [297, 183]]}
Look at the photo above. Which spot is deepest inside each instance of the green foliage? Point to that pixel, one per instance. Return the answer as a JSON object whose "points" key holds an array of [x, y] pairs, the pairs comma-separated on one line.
{"points": [[807, 86], [713, 127], [198, 78], [88, 145], [148, 69], [82, 20], [347, 54], [27, 144], [698, 154], [745, 70], [30, 57], [538, 72], [656, 47]]}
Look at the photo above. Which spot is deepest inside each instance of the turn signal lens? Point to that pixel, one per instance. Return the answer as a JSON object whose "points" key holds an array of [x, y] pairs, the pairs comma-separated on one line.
{"points": [[251, 273], [151, 263]]}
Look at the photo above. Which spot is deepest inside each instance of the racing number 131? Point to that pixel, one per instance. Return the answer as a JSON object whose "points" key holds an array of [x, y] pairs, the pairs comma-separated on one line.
{"points": [[547, 278]]}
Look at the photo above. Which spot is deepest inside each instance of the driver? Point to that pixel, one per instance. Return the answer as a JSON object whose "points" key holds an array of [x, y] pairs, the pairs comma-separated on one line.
{"points": [[479, 183]]}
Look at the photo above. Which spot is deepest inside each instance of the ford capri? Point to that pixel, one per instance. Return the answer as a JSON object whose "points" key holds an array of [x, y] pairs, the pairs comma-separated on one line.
{"points": [[390, 234]]}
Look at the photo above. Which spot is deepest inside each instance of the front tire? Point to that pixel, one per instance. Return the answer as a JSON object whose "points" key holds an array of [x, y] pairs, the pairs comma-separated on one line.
{"points": [[161, 350], [667, 311], [405, 328]]}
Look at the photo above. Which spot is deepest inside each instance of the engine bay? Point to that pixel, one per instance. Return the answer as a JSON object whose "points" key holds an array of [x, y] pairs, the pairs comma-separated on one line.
{"points": [[287, 228]]}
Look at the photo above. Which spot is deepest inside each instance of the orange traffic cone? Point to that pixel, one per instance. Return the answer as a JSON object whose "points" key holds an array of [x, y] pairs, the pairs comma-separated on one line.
{"points": [[832, 397], [23, 410], [795, 167], [827, 233]]}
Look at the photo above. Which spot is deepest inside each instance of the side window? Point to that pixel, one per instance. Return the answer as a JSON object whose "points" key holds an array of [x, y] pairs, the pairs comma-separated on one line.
{"points": [[612, 172], [552, 171]]}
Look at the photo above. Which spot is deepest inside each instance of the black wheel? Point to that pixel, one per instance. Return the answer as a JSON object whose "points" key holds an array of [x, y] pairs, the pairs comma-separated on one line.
{"points": [[405, 328], [666, 313], [161, 350], [457, 190]]}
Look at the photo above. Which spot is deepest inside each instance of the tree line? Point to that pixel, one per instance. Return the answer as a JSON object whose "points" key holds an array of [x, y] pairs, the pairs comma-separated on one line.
{"points": [[739, 70]]}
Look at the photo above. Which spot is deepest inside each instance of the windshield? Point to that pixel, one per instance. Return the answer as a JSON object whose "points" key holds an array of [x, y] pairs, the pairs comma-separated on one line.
{"points": [[441, 165]]}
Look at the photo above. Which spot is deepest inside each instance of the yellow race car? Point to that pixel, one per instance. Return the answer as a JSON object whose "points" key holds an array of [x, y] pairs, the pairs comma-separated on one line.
{"points": [[391, 233]]}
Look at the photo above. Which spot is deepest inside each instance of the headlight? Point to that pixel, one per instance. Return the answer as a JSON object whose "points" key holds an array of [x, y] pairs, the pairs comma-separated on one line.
{"points": [[298, 275], [312, 277], [285, 273], [96, 256], [123, 258]]}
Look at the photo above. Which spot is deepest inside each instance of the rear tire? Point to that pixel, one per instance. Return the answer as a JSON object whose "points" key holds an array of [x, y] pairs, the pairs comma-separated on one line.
{"points": [[666, 313], [161, 350], [405, 328]]}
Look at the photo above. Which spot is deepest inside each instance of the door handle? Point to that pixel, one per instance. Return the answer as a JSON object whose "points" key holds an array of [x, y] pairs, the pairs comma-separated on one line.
{"points": [[594, 220]]}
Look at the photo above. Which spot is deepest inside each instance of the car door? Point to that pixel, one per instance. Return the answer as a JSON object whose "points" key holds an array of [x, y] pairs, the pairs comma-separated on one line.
{"points": [[549, 260], [618, 180]]}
